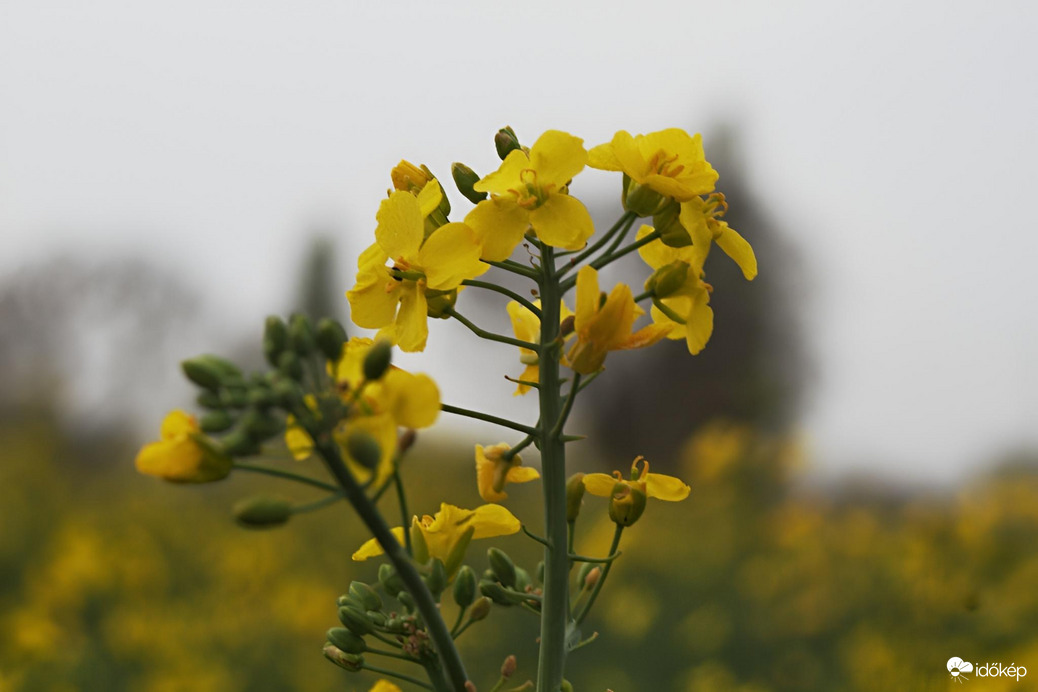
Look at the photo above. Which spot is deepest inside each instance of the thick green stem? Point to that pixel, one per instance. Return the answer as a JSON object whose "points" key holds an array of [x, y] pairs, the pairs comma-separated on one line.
{"points": [[405, 569], [555, 604]]}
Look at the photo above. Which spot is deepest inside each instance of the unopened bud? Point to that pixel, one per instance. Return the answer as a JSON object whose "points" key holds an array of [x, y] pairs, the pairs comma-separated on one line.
{"points": [[498, 594], [641, 199], [365, 595], [627, 504], [355, 621], [667, 221], [419, 547], [465, 178], [407, 599], [522, 579], [504, 568], [239, 444], [363, 449], [216, 421], [505, 141], [275, 339], [300, 334], [668, 279], [439, 303], [574, 496], [345, 640], [592, 577], [508, 667], [457, 553], [262, 426], [351, 662], [539, 573], [436, 581], [465, 587], [209, 371], [389, 579], [290, 365], [209, 399], [262, 512], [377, 359], [480, 609], [582, 574], [331, 335]]}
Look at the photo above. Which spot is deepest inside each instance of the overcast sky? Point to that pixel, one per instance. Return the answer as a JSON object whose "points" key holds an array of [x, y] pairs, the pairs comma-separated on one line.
{"points": [[894, 142]]}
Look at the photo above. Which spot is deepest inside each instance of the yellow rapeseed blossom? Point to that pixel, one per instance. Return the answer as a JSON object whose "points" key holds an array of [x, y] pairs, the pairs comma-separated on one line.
{"points": [[394, 296], [384, 686], [605, 325], [527, 327], [702, 219], [180, 456], [493, 471], [398, 399], [449, 528], [690, 302], [670, 162], [529, 190], [628, 495]]}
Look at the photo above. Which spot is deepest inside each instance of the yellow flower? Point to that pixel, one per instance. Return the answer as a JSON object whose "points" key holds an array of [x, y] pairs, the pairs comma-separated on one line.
{"points": [[690, 303], [493, 472], [446, 534], [529, 189], [395, 296], [603, 326], [669, 162], [378, 408], [180, 455], [702, 219], [527, 327], [627, 496], [384, 686]]}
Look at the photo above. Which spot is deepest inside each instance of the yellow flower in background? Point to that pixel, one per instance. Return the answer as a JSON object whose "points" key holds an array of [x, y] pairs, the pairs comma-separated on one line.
{"points": [[384, 686], [529, 190], [670, 162], [628, 495], [493, 471], [605, 325], [395, 296], [180, 456], [378, 408], [447, 533], [527, 327], [702, 219], [690, 302]]}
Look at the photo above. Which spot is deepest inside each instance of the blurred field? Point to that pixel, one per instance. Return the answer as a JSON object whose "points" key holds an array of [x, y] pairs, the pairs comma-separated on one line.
{"points": [[112, 581]]}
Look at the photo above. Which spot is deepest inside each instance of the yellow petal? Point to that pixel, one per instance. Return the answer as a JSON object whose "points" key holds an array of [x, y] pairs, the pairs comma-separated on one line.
{"points": [[657, 255], [627, 153], [299, 443], [384, 686], [429, 197], [699, 326], [485, 469], [177, 423], [371, 547], [522, 474], [613, 322], [557, 157], [412, 328], [562, 221], [450, 255], [587, 297], [599, 484], [349, 370], [666, 487], [646, 336], [736, 247], [401, 228], [506, 178], [382, 427], [532, 373], [374, 298], [500, 225], [493, 520], [603, 158], [413, 400], [525, 325]]}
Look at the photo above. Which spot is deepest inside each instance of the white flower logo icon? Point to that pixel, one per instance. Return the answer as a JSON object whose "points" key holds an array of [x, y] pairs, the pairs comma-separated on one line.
{"points": [[956, 666]]}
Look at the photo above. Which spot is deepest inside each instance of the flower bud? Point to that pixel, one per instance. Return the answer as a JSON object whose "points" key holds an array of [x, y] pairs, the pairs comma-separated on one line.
{"points": [[365, 595], [330, 337], [641, 199], [668, 222], [262, 426], [457, 553], [574, 496], [627, 503], [502, 565], [407, 600], [377, 359], [465, 178], [592, 577], [522, 579], [436, 581], [216, 421], [209, 371], [497, 593], [345, 640], [287, 393], [363, 449], [505, 141], [389, 579], [300, 334], [508, 667], [290, 366], [409, 178], [351, 662], [480, 609], [438, 303], [540, 572], [355, 621], [582, 574], [239, 444], [209, 399], [465, 587], [668, 279], [418, 545], [566, 326], [262, 512], [275, 339]]}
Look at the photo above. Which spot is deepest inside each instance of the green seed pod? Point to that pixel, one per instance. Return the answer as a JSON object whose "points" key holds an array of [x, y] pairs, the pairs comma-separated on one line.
{"points": [[465, 587], [363, 449], [504, 568], [365, 595], [209, 399], [290, 365], [330, 337], [346, 640], [300, 334], [505, 141], [480, 609], [465, 178], [355, 621], [216, 421], [351, 662], [262, 512], [574, 496], [389, 579], [275, 339], [377, 360]]}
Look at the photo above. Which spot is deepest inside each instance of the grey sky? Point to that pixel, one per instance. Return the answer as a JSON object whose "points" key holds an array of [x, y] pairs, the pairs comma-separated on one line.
{"points": [[895, 143]]}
